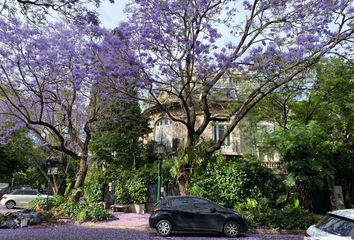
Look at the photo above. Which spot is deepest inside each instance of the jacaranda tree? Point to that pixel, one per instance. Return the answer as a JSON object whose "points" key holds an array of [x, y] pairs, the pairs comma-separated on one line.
{"points": [[52, 82], [37, 11], [188, 48]]}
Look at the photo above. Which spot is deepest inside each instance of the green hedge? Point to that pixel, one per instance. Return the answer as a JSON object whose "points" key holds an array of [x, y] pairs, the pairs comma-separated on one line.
{"points": [[41, 202], [228, 183], [83, 212], [260, 215], [131, 189], [80, 212]]}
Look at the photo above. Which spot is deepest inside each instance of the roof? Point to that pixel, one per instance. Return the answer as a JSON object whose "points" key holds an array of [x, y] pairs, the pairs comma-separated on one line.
{"points": [[179, 196], [346, 213]]}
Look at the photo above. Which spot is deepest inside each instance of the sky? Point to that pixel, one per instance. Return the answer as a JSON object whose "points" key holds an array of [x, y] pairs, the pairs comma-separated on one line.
{"points": [[112, 14]]}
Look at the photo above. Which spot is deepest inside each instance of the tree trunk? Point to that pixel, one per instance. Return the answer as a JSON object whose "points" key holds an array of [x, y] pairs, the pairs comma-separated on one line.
{"points": [[183, 180], [304, 195], [80, 179]]}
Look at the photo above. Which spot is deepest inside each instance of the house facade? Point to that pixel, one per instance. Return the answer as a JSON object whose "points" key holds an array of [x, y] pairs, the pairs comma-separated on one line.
{"points": [[241, 141]]}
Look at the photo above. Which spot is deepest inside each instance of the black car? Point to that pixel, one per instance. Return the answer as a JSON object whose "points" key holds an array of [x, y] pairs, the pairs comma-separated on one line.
{"points": [[188, 213]]}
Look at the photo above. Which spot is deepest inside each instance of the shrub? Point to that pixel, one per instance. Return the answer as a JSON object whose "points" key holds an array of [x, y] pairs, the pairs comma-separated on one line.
{"points": [[41, 202], [96, 212], [93, 190], [137, 190], [83, 212], [260, 215], [121, 193], [131, 189], [69, 209], [81, 216], [229, 183]]}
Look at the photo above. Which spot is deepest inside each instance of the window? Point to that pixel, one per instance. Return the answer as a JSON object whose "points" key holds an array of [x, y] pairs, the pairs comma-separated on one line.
{"points": [[29, 192], [218, 132], [181, 203], [201, 205], [163, 132], [337, 226], [162, 203], [18, 192]]}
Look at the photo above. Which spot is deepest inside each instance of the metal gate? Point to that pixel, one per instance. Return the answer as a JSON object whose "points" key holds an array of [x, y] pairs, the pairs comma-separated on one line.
{"points": [[167, 190]]}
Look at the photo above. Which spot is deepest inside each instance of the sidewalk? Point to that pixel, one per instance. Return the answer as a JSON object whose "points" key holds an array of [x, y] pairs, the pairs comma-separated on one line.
{"points": [[124, 221]]}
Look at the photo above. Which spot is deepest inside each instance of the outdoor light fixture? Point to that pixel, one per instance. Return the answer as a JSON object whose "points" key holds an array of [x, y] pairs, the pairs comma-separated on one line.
{"points": [[160, 148]]}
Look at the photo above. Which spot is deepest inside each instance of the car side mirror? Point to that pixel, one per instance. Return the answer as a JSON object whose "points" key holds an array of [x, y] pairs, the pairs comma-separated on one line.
{"points": [[212, 210]]}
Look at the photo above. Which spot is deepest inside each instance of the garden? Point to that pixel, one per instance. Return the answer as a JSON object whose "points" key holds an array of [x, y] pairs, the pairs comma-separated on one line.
{"points": [[84, 107]]}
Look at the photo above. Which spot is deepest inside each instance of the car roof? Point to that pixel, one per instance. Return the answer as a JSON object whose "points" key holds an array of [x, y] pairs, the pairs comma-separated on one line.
{"points": [[178, 197], [345, 213], [189, 196], [24, 190]]}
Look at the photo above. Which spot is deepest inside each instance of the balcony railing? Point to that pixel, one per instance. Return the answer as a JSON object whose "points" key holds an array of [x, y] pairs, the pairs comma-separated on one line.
{"points": [[230, 149], [272, 164]]}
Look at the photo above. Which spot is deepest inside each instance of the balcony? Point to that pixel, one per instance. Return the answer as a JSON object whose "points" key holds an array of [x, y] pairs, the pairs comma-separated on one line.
{"points": [[272, 164], [231, 149]]}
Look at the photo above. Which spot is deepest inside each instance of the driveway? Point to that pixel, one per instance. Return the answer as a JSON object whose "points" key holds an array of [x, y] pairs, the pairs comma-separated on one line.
{"points": [[124, 221]]}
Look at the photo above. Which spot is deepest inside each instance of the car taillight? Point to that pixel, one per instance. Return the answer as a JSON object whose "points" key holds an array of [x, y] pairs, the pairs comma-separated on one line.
{"points": [[307, 235]]}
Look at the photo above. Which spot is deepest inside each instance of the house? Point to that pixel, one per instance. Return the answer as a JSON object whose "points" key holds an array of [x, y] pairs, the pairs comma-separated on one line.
{"points": [[241, 141]]}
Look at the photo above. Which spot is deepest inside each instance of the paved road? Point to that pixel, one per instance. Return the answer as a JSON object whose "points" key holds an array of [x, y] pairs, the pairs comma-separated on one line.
{"points": [[75, 232], [113, 230]]}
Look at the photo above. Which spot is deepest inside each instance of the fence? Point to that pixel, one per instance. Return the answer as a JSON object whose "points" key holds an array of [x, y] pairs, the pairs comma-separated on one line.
{"points": [[167, 190]]}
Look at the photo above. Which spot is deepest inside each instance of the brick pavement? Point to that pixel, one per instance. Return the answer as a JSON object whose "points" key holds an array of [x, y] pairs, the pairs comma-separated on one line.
{"points": [[124, 221]]}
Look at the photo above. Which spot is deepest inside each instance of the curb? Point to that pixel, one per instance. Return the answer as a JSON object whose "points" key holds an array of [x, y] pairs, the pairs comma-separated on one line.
{"points": [[137, 228], [150, 230], [275, 231]]}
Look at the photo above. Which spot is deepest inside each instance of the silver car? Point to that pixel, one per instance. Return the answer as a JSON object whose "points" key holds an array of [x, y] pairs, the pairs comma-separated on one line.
{"points": [[337, 225], [19, 198]]}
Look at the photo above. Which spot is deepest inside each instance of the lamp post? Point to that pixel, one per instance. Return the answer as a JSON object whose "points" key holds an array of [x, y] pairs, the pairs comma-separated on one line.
{"points": [[159, 150]]}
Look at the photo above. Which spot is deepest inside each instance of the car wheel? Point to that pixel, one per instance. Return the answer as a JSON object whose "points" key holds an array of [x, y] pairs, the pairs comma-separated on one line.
{"points": [[164, 228], [231, 229], [10, 204]]}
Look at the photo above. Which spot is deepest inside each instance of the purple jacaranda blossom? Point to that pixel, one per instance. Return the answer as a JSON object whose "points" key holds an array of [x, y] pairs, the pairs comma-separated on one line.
{"points": [[51, 77], [72, 232], [181, 49], [36, 12]]}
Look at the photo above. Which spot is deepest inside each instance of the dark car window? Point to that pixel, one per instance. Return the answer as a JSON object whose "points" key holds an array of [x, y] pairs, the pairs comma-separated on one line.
{"points": [[29, 192], [337, 226], [202, 205], [162, 203], [17, 192], [181, 203]]}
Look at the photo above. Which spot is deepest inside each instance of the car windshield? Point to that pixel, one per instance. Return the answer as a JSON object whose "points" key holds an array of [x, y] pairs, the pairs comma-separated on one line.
{"points": [[337, 226]]}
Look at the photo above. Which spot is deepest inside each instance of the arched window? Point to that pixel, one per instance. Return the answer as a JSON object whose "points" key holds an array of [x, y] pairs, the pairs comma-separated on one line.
{"points": [[164, 131]]}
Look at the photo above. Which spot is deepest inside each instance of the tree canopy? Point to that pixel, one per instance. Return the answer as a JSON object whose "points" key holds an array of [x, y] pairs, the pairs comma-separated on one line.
{"points": [[316, 141], [52, 81], [37, 11], [54, 77], [189, 49]]}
